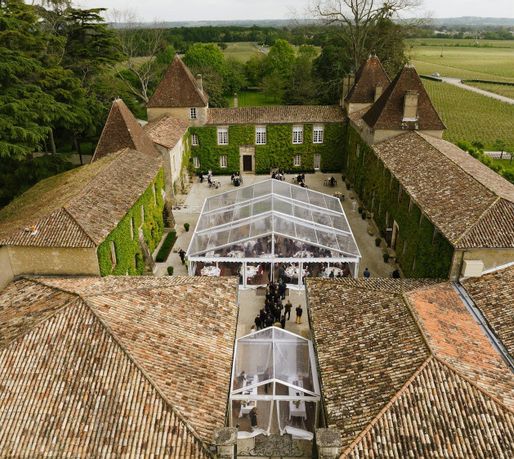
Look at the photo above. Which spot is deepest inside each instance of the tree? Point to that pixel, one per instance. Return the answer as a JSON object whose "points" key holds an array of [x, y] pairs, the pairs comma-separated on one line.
{"points": [[302, 86], [280, 59], [25, 109], [357, 18]]}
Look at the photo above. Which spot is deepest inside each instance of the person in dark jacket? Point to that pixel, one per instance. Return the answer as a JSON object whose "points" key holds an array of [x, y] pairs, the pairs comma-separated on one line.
{"points": [[287, 309], [283, 321], [258, 323], [299, 312], [253, 418]]}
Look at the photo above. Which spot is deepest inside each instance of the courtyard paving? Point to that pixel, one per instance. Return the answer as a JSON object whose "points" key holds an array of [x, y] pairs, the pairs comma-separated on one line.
{"points": [[189, 206]]}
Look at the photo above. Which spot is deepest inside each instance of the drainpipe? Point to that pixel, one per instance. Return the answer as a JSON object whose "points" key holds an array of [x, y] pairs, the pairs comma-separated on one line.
{"points": [[482, 321]]}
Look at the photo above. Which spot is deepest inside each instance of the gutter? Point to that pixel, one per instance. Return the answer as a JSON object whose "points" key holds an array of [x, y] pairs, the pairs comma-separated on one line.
{"points": [[482, 321]]}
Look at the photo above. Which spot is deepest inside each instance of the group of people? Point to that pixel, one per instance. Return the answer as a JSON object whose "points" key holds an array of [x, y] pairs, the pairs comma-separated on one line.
{"points": [[212, 183], [275, 313], [278, 174], [236, 179], [300, 180]]}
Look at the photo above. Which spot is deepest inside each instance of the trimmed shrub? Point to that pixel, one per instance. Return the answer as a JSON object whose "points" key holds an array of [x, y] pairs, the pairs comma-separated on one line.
{"points": [[166, 247], [186, 226], [170, 270], [378, 241]]}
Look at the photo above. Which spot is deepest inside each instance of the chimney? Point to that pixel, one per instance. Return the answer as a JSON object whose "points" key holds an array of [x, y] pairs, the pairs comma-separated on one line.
{"points": [[410, 106], [199, 82], [378, 92], [236, 100], [347, 84]]}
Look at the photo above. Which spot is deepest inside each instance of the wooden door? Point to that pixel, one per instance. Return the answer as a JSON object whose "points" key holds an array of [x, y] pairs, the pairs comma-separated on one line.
{"points": [[247, 163]]}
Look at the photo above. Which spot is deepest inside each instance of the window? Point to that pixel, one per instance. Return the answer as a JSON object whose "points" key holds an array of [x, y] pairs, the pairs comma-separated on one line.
{"points": [[196, 162], [413, 269], [410, 204], [297, 160], [142, 214], [132, 228], [223, 161], [400, 193], [317, 161], [297, 134], [358, 151], [317, 134], [113, 254], [194, 140], [404, 248], [222, 136], [154, 194], [192, 113], [260, 135]]}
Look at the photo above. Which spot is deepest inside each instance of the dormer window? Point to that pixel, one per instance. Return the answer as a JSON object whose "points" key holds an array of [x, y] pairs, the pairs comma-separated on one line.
{"points": [[192, 113], [410, 107]]}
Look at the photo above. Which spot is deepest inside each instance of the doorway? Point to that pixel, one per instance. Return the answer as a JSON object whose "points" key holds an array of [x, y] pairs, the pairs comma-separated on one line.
{"points": [[394, 236], [247, 155]]}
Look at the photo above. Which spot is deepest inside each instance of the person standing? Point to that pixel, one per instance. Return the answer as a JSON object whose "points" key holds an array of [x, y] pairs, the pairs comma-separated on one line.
{"points": [[258, 322], [282, 289], [182, 255], [366, 273], [287, 309], [299, 312], [283, 321], [253, 418]]}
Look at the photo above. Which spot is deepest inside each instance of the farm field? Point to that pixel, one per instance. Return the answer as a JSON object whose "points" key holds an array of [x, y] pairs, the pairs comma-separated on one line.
{"points": [[503, 90], [506, 163], [469, 116], [492, 60], [252, 99], [241, 51]]}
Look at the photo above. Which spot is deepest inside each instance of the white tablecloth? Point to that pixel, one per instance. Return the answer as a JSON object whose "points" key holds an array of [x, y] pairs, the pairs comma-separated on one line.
{"points": [[246, 408], [297, 408], [292, 272], [337, 272], [236, 254], [210, 271], [251, 271], [303, 254]]}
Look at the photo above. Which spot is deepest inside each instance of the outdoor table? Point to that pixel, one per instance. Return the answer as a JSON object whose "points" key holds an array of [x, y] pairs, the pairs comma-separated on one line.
{"points": [[292, 272], [247, 407], [296, 408], [211, 271], [251, 271], [236, 254], [338, 272], [303, 254]]}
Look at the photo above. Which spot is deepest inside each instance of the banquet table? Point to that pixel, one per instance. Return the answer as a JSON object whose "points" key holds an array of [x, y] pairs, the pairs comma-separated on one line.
{"points": [[251, 271], [236, 254], [303, 254], [211, 271], [247, 407], [338, 272], [297, 408], [292, 271]]}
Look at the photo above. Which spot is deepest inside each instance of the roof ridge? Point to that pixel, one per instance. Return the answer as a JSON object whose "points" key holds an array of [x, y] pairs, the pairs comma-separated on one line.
{"points": [[63, 208], [479, 219], [386, 407], [473, 383], [146, 376], [93, 158]]}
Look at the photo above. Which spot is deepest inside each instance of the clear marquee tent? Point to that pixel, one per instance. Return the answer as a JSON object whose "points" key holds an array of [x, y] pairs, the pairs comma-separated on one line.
{"points": [[269, 224], [274, 374]]}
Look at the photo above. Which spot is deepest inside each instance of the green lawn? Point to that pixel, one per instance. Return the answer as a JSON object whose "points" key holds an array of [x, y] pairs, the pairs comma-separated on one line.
{"points": [[506, 163], [491, 60], [241, 51], [503, 90], [469, 116], [253, 99]]}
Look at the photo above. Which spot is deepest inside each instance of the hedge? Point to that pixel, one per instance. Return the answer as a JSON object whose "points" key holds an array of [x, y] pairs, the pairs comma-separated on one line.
{"points": [[279, 150], [167, 245], [427, 253], [129, 256]]}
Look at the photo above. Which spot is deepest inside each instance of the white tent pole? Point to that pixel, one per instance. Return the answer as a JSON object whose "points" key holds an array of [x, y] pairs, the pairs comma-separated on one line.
{"points": [[300, 274]]}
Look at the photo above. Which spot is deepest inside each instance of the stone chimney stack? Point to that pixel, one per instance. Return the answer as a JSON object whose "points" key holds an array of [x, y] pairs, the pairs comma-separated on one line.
{"points": [[236, 100], [199, 81], [410, 106], [378, 92]]}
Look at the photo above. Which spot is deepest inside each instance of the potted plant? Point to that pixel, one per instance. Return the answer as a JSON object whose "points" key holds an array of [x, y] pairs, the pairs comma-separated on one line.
{"points": [[186, 226], [378, 241], [363, 215], [386, 257], [360, 209], [170, 270]]}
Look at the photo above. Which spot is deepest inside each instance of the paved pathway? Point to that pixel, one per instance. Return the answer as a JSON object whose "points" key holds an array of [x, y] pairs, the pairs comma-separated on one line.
{"points": [[458, 82]]}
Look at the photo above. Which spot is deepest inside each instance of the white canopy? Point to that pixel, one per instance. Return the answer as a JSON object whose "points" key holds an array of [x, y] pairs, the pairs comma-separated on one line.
{"points": [[273, 221]]}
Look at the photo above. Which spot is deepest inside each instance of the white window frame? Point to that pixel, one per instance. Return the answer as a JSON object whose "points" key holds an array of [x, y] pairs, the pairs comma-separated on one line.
{"points": [[261, 136], [196, 162], [223, 161], [194, 140], [142, 214], [297, 161], [114, 258], [297, 135], [132, 228], [154, 192], [318, 134], [222, 135], [193, 113]]}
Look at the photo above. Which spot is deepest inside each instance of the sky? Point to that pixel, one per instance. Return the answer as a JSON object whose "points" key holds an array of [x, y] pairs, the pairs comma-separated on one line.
{"points": [[198, 10]]}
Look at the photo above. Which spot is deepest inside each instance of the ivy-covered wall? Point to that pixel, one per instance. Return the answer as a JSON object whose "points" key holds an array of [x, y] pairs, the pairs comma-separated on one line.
{"points": [[421, 250], [129, 257], [279, 150]]}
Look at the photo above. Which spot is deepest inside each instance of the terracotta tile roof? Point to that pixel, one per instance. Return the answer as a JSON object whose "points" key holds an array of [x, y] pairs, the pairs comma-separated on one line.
{"points": [[464, 206], [493, 294], [439, 414], [178, 88], [406, 371], [121, 130], [277, 114], [370, 75], [150, 364], [79, 208], [166, 131], [387, 111]]}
